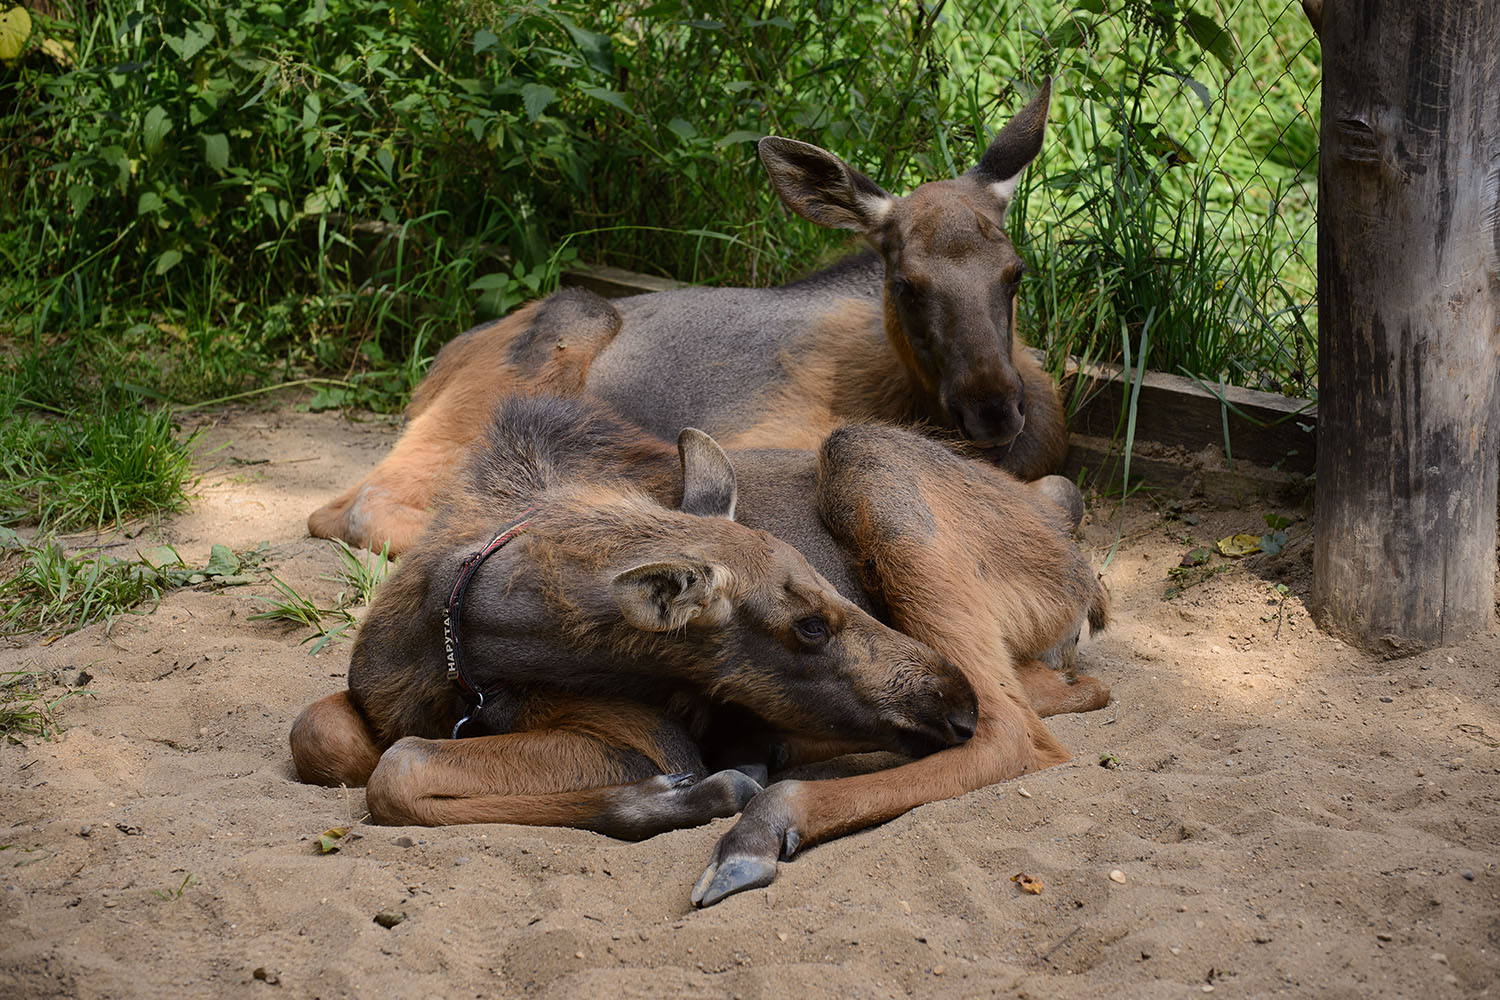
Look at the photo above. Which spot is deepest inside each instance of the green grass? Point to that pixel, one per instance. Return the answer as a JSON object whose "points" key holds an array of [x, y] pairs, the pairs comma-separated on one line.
{"points": [[205, 199], [25, 710], [86, 467], [50, 591], [172, 893], [360, 572], [1177, 181], [44, 589]]}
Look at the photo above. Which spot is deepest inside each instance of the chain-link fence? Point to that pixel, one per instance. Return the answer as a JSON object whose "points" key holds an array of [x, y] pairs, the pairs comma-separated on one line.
{"points": [[1172, 213]]}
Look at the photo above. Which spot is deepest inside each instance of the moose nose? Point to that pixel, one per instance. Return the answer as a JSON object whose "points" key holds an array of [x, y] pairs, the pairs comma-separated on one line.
{"points": [[960, 703], [991, 422], [962, 721]]}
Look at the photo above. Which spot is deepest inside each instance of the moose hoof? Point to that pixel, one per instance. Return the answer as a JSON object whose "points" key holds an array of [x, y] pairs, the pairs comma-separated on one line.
{"points": [[746, 856], [722, 794], [734, 875]]}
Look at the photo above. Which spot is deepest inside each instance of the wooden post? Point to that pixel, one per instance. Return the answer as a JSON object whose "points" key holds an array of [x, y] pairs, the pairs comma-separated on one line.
{"points": [[1408, 321]]}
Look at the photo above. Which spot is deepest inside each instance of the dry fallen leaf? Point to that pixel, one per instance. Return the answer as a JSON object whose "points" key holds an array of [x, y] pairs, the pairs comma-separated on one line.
{"points": [[1028, 883], [1239, 545], [328, 840]]}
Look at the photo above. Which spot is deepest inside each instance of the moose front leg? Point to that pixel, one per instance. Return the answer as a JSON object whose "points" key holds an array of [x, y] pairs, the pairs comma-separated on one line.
{"points": [[966, 561], [547, 778], [1010, 740]]}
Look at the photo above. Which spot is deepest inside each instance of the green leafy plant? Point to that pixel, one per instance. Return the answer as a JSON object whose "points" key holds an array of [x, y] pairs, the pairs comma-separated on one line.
{"points": [[1275, 540], [360, 573], [205, 200]]}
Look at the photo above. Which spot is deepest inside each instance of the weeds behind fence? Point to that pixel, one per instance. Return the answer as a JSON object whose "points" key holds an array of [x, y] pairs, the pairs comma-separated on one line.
{"points": [[235, 190], [198, 199]]}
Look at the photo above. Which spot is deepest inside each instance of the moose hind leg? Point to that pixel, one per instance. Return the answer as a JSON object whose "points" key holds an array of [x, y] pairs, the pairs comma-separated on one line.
{"points": [[1053, 692], [963, 556], [948, 547], [332, 744]]}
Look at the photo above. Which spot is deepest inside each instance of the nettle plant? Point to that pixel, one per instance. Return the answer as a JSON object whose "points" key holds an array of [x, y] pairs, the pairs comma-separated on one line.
{"points": [[311, 141]]}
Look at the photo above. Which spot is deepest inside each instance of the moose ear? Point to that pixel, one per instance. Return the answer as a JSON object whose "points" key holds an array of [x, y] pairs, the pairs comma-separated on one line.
{"points": [[667, 595], [822, 188], [708, 488], [1017, 144]]}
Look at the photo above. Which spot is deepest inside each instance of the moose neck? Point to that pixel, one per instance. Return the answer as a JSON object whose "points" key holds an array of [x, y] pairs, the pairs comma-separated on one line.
{"points": [[851, 360]]}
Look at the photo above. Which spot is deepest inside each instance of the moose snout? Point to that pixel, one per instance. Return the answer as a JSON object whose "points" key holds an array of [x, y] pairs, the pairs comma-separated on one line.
{"points": [[962, 722], [944, 714], [989, 420]]}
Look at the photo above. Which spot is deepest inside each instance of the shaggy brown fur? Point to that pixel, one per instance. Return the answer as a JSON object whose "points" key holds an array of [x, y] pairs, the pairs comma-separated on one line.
{"points": [[631, 644]]}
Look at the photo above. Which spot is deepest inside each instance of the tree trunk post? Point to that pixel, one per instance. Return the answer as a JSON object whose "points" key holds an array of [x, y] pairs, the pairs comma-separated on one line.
{"points": [[1408, 322]]}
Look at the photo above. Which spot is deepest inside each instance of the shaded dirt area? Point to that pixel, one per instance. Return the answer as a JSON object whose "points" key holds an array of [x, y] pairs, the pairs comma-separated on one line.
{"points": [[1288, 816]]}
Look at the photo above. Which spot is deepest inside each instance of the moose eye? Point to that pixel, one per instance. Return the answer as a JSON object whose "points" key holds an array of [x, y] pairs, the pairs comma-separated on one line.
{"points": [[902, 289], [813, 629]]}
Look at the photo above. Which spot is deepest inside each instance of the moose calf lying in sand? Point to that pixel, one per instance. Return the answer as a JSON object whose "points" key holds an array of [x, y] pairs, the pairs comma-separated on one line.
{"points": [[919, 330], [604, 648]]}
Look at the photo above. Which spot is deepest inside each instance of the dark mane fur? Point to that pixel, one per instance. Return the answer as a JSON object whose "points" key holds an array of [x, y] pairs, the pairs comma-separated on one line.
{"points": [[860, 273], [534, 444]]}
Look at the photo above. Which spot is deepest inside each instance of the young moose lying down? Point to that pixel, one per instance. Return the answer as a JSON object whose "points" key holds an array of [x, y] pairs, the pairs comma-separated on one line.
{"points": [[618, 647]]}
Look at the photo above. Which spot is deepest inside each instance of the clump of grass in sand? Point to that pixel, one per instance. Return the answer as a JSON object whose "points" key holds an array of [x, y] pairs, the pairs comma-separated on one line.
{"points": [[175, 892], [360, 573], [24, 708], [48, 590], [52, 591], [81, 468]]}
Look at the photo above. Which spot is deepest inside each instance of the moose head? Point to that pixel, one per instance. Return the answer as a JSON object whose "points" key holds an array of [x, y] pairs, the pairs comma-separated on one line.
{"points": [[951, 273]]}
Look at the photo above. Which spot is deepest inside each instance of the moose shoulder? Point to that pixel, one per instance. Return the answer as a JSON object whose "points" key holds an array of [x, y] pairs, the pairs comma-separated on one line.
{"points": [[917, 330]]}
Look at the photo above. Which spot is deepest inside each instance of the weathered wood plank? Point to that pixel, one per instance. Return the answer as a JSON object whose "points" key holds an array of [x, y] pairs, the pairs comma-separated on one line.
{"points": [[1277, 432], [1409, 331], [1179, 471], [615, 283]]}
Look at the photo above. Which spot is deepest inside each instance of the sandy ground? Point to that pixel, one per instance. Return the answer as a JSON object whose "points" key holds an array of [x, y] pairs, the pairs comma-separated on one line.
{"points": [[1290, 817]]}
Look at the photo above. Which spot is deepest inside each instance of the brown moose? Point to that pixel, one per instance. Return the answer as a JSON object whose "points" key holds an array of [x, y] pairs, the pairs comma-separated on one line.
{"points": [[639, 631], [918, 330]]}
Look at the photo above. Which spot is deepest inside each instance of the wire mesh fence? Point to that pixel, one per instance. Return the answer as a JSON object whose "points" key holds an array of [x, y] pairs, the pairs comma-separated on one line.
{"points": [[1172, 213], [1170, 216]]}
